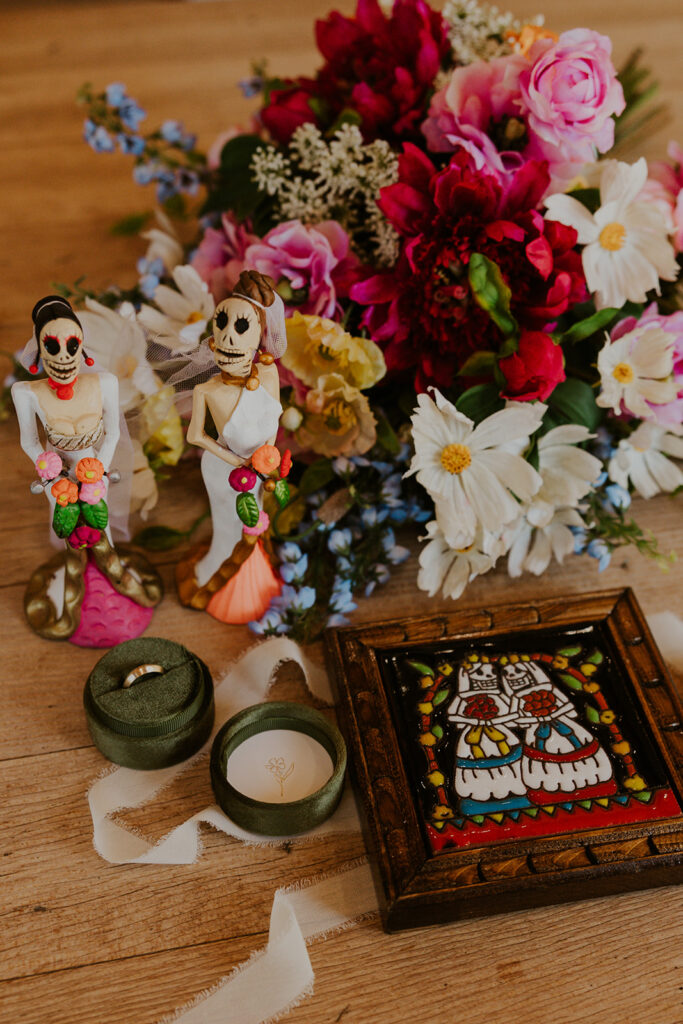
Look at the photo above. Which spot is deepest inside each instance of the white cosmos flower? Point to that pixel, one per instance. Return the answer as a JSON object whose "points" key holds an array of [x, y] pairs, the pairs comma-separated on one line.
{"points": [[182, 315], [442, 567], [542, 529], [163, 243], [626, 250], [531, 547], [634, 370], [472, 479], [642, 459], [118, 345]]}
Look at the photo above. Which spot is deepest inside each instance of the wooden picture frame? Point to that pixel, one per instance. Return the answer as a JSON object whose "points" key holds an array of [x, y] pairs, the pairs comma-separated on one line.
{"points": [[629, 839]]}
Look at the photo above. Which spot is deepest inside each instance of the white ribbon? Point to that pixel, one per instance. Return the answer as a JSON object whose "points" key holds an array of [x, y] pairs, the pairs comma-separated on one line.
{"points": [[246, 683]]}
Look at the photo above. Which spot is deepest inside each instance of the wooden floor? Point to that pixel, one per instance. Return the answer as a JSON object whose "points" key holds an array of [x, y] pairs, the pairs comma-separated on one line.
{"points": [[86, 942]]}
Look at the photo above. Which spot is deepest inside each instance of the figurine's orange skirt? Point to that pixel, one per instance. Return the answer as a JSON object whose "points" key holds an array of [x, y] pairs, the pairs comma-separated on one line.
{"points": [[247, 595]]}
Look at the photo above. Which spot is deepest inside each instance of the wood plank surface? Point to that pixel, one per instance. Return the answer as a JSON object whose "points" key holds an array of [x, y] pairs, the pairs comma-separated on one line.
{"points": [[83, 942]]}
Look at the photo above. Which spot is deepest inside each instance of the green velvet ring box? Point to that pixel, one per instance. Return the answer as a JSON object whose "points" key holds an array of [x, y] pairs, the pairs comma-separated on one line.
{"points": [[278, 768], [149, 703]]}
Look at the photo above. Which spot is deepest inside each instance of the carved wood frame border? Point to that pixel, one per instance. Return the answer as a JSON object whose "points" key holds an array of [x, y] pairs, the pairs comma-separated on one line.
{"points": [[418, 888]]}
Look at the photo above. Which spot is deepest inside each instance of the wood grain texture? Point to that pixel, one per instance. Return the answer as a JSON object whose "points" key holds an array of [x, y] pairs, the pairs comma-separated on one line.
{"points": [[125, 945]]}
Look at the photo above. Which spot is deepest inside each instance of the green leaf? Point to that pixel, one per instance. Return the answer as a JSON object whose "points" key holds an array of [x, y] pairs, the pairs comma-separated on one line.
{"points": [[316, 476], [438, 731], [491, 292], [423, 669], [95, 515], [584, 328], [592, 715], [573, 401], [480, 401], [569, 652], [440, 697], [479, 364], [596, 658], [569, 681], [386, 435], [247, 508], [588, 197], [65, 518], [159, 538], [281, 493], [235, 188], [130, 225]]}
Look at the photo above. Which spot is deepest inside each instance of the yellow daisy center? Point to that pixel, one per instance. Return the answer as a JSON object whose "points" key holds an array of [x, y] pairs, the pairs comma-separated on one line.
{"points": [[623, 373], [194, 317], [612, 236], [455, 458]]}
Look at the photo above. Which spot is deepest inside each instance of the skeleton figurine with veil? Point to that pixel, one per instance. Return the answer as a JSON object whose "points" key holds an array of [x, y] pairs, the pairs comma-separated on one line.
{"points": [[235, 416], [89, 592]]}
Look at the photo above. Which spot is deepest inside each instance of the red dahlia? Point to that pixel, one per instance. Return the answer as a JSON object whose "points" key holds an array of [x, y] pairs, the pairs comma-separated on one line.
{"points": [[423, 309], [380, 66]]}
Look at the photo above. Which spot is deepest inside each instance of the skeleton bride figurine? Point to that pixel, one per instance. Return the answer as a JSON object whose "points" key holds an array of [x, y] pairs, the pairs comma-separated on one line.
{"points": [[234, 580], [89, 592]]}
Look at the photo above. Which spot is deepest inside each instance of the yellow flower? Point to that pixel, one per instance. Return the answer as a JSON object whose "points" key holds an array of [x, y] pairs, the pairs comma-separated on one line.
{"points": [[317, 346], [165, 440], [338, 419]]}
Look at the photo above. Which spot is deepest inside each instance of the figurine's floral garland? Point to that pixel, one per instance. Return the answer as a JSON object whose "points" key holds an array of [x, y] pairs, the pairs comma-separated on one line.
{"points": [[437, 690], [462, 233]]}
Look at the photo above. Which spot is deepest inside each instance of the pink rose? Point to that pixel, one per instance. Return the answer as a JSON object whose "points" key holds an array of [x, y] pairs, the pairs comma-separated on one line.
{"points": [[48, 465], [570, 93], [92, 493], [220, 257], [311, 264], [670, 414]]}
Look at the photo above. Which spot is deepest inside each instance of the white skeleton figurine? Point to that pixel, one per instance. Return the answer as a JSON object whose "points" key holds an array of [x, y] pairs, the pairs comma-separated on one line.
{"points": [[488, 755], [560, 756], [79, 416]]}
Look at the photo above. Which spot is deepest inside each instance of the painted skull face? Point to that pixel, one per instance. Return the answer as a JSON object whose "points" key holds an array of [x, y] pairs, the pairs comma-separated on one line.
{"points": [[479, 676], [61, 349], [523, 675], [236, 336]]}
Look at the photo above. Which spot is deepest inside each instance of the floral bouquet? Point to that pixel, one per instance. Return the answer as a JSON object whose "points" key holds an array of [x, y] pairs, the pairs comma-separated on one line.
{"points": [[484, 333], [80, 514]]}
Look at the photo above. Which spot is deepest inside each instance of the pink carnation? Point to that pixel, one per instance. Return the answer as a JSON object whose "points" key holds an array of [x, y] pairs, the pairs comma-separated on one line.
{"points": [[670, 414], [48, 465], [311, 264], [570, 94], [220, 257], [92, 493]]}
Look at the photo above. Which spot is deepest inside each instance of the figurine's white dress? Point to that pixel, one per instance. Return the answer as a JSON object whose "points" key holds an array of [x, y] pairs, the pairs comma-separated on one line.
{"points": [[253, 422]]}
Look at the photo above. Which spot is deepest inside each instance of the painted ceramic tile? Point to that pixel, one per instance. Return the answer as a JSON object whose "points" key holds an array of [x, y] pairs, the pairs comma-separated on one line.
{"points": [[528, 735]]}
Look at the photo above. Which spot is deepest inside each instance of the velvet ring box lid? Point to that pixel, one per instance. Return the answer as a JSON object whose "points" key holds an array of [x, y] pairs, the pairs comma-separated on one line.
{"points": [[149, 703], [277, 768]]}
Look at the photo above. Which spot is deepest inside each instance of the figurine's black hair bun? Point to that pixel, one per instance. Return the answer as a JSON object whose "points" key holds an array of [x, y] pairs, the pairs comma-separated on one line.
{"points": [[52, 307]]}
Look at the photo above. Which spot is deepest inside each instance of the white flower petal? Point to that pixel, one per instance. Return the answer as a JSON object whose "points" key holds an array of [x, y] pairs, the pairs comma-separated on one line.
{"points": [[621, 182], [493, 505], [518, 549], [570, 211], [518, 420], [538, 559], [516, 473], [665, 473]]}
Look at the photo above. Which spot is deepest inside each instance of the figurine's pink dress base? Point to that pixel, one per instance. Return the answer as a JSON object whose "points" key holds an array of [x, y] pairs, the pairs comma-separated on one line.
{"points": [[247, 595], [107, 617]]}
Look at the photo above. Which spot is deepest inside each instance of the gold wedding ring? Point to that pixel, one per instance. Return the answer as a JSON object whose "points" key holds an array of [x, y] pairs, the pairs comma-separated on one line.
{"points": [[139, 672]]}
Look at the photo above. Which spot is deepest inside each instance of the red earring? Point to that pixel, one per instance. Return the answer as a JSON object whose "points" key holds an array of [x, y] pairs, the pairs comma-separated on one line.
{"points": [[89, 361], [33, 368]]}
